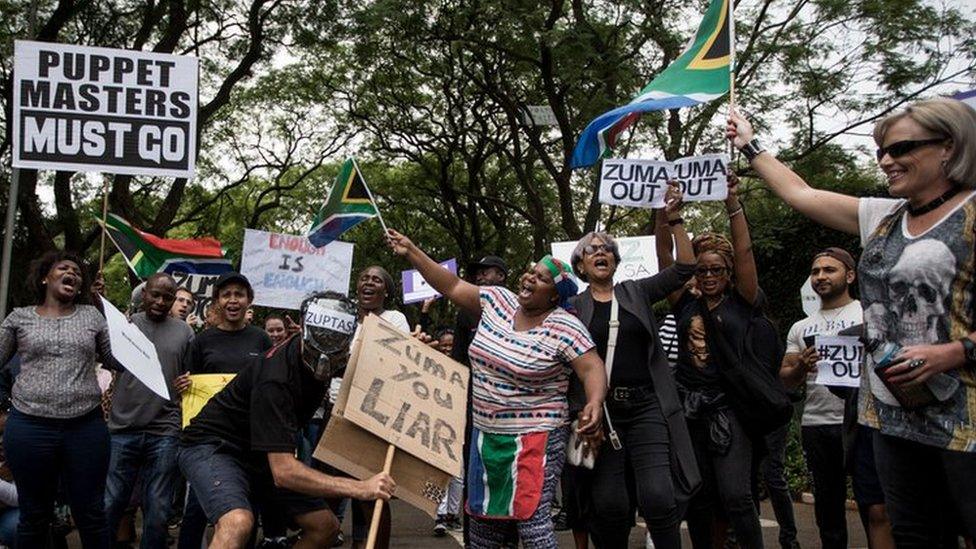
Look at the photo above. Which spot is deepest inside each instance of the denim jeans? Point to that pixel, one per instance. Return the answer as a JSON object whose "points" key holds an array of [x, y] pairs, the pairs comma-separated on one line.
{"points": [[824, 451], [155, 456], [9, 518], [928, 491], [44, 451]]}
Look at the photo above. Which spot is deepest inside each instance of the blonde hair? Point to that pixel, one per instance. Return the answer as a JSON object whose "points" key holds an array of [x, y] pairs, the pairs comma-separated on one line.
{"points": [[946, 117]]}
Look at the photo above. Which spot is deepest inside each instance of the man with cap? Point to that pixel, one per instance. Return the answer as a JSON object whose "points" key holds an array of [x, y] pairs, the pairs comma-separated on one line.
{"points": [[240, 449], [832, 273], [224, 348]]}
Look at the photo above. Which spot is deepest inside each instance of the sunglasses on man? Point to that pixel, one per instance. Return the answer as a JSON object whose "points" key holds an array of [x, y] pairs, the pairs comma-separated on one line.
{"points": [[901, 148]]}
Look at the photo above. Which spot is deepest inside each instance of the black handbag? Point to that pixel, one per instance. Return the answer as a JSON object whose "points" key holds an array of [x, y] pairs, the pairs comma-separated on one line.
{"points": [[749, 370]]}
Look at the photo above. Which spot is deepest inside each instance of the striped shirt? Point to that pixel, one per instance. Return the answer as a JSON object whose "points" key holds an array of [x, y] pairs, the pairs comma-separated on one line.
{"points": [[668, 331], [520, 378]]}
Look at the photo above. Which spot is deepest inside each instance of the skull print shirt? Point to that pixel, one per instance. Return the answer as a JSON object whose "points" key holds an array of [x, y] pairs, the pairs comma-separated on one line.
{"points": [[918, 290]]}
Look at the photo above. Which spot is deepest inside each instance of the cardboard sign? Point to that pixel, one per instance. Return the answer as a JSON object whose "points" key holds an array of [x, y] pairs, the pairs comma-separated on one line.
{"points": [[840, 360], [643, 183], [202, 288], [416, 289], [638, 259], [81, 108], [134, 351], [360, 453], [283, 269], [202, 388]]}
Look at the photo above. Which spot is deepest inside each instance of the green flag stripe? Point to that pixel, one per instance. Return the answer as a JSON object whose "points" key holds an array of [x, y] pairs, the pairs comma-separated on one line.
{"points": [[498, 454]]}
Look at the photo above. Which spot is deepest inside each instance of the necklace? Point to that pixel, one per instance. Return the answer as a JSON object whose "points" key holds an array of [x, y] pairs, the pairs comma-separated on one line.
{"points": [[926, 208]]}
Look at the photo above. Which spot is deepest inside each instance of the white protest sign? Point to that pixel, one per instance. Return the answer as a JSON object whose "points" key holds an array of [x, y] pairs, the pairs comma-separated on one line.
{"points": [[416, 289], [323, 317], [840, 360], [540, 115], [82, 108], [643, 183], [134, 351], [638, 258], [284, 268], [809, 299]]}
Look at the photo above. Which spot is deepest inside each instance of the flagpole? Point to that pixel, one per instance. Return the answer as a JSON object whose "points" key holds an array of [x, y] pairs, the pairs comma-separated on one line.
{"points": [[386, 231], [101, 252], [732, 68]]}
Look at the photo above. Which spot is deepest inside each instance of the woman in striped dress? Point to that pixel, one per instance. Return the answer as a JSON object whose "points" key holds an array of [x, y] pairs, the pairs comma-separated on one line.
{"points": [[521, 354]]}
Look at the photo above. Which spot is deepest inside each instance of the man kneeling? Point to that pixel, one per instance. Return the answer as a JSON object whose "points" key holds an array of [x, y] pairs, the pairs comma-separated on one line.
{"points": [[241, 447]]}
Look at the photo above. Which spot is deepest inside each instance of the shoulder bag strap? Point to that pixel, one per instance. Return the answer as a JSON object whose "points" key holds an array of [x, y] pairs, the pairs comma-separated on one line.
{"points": [[611, 347]]}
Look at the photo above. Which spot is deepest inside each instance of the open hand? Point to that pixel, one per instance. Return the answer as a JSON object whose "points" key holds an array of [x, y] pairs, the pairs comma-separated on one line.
{"points": [[182, 383], [291, 326]]}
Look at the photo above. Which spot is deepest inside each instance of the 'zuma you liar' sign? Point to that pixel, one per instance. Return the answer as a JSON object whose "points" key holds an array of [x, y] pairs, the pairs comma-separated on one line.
{"points": [[643, 183], [99, 109], [409, 395]]}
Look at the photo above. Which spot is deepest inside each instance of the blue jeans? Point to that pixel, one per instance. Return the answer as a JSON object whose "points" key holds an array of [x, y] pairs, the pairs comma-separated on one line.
{"points": [[9, 518], [155, 456], [41, 452]]}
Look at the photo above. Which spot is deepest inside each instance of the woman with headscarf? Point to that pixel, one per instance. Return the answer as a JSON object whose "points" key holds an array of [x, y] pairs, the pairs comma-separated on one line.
{"points": [[916, 278], [655, 461], [727, 288], [520, 375]]}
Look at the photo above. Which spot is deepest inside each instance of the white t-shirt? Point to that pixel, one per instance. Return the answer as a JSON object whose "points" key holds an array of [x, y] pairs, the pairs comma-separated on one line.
{"points": [[822, 407]]}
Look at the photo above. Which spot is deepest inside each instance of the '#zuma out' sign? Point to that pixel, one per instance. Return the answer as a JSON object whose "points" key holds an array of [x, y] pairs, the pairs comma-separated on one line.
{"points": [[643, 183], [98, 109], [409, 395]]}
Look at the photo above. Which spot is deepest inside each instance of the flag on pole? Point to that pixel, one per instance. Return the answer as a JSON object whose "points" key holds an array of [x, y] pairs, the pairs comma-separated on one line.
{"points": [[147, 253], [698, 75], [348, 203]]}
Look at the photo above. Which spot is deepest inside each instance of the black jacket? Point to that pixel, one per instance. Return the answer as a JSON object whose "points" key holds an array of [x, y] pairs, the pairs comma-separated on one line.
{"points": [[638, 298]]}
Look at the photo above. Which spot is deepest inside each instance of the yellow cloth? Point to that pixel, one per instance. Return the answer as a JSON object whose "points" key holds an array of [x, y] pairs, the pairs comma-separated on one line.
{"points": [[202, 388]]}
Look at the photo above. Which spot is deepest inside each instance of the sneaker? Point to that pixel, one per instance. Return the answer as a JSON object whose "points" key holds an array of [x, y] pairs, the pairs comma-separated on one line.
{"points": [[455, 524], [340, 539], [440, 527], [559, 522]]}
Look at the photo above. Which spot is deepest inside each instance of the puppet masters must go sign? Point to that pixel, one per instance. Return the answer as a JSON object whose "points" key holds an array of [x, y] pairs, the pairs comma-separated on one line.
{"points": [[98, 109]]}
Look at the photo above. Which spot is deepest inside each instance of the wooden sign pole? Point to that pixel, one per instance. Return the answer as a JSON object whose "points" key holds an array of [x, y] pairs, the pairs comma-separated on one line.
{"points": [[374, 525]]}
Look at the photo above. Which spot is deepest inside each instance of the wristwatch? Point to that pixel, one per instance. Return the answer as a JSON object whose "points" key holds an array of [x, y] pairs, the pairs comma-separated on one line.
{"points": [[752, 149], [969, 349]]}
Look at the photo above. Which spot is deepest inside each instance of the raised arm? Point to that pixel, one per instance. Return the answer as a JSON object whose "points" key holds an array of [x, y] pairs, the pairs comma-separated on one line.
{"points": [[670, 277], [463, 294], [834, 210], [746, 277]]}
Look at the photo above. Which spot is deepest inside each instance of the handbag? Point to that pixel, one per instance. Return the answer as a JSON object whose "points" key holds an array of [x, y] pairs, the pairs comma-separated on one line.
{"points": [[574, 450]]}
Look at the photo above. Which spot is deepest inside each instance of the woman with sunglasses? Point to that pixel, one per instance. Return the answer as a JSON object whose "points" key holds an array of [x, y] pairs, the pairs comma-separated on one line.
{"points": [[521, 355], [654, 461], [726, 284], [916, 279]]}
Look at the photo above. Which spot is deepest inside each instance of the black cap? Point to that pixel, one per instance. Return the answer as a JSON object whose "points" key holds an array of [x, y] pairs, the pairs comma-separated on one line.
{"points": [[232, 277], [488, 261]]}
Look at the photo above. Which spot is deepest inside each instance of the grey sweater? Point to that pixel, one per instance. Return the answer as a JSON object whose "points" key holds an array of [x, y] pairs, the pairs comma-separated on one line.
{"points": [[57, 372]]}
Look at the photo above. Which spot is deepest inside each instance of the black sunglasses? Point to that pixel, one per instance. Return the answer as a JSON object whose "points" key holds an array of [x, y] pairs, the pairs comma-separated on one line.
{"points": [[901, 148], [594, 248], [702, 272]]}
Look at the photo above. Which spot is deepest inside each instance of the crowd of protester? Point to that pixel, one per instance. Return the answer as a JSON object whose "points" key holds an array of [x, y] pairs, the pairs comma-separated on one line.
{"points": [[668, 397]]}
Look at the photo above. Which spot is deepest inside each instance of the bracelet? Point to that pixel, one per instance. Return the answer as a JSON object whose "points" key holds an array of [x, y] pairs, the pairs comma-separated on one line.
{"points": [[673, 222], [735, 212]]}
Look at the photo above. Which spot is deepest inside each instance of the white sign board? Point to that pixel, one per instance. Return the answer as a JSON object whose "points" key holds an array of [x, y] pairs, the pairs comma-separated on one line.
{"points": [[540, 115], [283, 269], [416, 288], [809, 298], [81, 108], [643, 183], [840, 360], [638, 259], [323, 317], [134, 351]]}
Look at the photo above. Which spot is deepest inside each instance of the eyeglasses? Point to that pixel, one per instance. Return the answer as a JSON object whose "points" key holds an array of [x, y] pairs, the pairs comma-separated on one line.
{"points": [[702, 272], [594, 248], [901, 148]]}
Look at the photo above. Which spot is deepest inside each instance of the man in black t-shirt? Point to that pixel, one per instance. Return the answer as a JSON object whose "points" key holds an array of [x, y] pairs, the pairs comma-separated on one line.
{"points": [[240, 449]]}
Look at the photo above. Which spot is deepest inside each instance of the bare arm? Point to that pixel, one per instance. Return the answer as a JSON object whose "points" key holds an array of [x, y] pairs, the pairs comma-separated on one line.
{"points": [[593, 374], [465, 295], [746, 276], [796, 366], [834, 210], [294, 475]]}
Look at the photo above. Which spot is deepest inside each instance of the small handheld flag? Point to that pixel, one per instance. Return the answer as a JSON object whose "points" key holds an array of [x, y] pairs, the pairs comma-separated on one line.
{"points": [[347, 204], [698, 75], [147, 253]]}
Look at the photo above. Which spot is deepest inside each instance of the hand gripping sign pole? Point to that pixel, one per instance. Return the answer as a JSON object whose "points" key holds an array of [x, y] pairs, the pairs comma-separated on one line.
{"points": [[374, 525]]}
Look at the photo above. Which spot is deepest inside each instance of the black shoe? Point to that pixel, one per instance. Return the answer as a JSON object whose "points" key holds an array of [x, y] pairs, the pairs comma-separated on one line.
{"points": [[340, 539], [559, 522], [440, 526]]}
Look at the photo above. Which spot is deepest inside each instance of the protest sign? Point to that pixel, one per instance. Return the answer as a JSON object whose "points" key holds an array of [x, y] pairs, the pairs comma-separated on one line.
{"points": [[202, 388], [134, 351], [415, 288], [638, 258], [840, 360], [408, 394], [643, 183], [360, 453], [202, 288], [540, 115], [283, 269], [332, 319], [82, 108], [809, 299]]}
